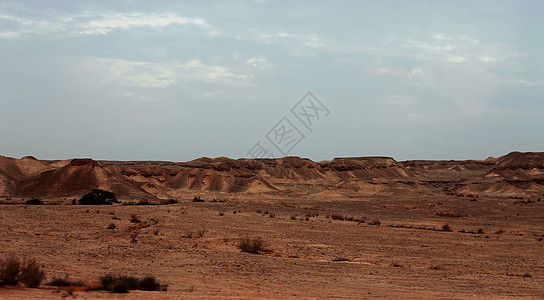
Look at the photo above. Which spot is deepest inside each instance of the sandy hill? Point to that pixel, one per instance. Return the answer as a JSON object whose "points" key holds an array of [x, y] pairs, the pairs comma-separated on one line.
{"points": [[515, 174]]}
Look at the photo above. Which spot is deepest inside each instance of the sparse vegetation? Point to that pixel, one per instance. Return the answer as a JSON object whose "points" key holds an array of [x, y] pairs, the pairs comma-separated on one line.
{"points": [[134, 236], [123, 283], [111, 226], [195, 234], [64, 282], [376, 222], [10, 270], [337, 217], [13, 271], [34, 201], [170, 201], [143, 202], [449, 214], [446, 227], [254, 246], [134, 219], [98, 197], [197, 199], [31, 274]]}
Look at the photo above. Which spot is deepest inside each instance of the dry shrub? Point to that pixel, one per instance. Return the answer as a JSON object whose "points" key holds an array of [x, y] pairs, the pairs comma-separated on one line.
{"points": [[446, 227], [31, 274], [134, 219], [65, 282], [123, 283], [34, 201], [195, 234], [254, 246], [376, 222], [111, 226], [337, 217], [10, 270]]}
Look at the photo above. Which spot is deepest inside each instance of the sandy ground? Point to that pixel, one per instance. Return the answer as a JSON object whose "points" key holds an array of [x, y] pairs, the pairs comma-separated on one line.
{"points": [[315, 258]]}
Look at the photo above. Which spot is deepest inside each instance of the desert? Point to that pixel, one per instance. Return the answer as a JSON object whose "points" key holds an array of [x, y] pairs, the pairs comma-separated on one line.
{"points": [[350, 228]]}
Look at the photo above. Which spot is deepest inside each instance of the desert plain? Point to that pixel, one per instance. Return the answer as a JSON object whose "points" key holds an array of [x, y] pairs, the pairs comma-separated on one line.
{"points": [[349, 228]]}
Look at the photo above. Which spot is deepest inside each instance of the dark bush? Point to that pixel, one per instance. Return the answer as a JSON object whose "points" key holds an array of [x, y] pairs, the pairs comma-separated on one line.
{"points": [[122, 284], [149, 283], [254, 246], [376, 222], [63, 282], [337, 217], [171, 201], [34, 201], [10, 270], [31, 274], [446, 227], [143, 202], [197, 199], [98, 197]]}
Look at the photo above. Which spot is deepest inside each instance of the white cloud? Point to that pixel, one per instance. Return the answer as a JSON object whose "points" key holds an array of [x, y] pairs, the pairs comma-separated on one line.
{"points": [[291, 40], [90, 23], [259, 63], [160, 75], [456, 59], [108, 22]]}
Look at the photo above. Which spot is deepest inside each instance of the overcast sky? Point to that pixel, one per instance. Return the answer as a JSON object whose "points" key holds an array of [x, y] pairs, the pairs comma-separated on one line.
{"points": [[145, 80]]}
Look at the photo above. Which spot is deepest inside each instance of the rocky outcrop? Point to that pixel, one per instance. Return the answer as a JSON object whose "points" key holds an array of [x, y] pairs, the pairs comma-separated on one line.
{"points": [[513, 174]]}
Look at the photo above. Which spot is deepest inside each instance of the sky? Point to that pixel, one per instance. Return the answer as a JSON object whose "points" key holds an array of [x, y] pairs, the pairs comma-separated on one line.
{"points": [[161, 80]]}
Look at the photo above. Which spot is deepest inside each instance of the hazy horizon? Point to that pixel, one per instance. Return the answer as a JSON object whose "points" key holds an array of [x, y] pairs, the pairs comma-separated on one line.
{"points": [[135, 80]]}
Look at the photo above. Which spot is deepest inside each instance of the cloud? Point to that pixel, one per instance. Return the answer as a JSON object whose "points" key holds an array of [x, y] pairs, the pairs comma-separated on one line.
{"points": [[105, 23], [89, 23], [290, 40], [159, 75], [259, 63]]}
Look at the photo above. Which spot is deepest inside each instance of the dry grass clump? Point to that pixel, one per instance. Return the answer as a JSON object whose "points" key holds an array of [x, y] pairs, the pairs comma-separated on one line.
{"points": [[195, 234], [337, 217], [123, 283], [10, 270], [65, 282], [376, 222], [255, 246], [134, 219], [28, 272], [449, 214]]}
